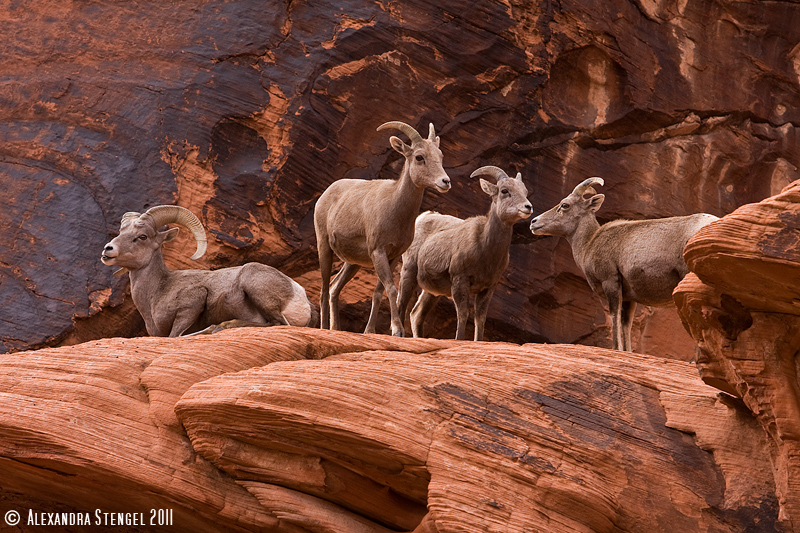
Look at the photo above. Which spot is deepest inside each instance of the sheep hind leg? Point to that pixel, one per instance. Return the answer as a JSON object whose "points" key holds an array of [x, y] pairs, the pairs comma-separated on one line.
{"points": [[627, 313], [347, 272], [613, 294], [420, 312], [325, 266]]}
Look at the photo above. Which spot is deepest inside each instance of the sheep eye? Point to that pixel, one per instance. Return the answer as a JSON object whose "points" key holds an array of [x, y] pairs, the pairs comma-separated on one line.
{"points": [[564, 207], [504, 191], [141, 237], [420, 159]]}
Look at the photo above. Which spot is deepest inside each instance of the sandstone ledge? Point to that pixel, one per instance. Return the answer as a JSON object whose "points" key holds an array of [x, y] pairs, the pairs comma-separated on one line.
{"points": [[382, 435]]}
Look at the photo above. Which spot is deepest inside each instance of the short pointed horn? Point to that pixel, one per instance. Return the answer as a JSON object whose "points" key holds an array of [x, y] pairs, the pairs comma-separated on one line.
{"points": [[496, 172], [410, 132], [586, 186], [173, 214], [431, 132], [130, 215]]}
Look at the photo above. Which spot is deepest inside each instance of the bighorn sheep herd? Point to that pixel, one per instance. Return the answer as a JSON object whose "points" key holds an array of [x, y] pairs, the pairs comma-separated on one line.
{"points": [[375, 224]]}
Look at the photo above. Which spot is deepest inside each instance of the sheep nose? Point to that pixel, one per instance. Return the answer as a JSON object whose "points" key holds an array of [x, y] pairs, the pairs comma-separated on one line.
{"points": [[528, 208], [446, 182], [108, 248]]}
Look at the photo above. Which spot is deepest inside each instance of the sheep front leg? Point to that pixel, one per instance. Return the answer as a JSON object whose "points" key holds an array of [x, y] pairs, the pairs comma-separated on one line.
{"points": [[627, 312], [482, 300], [408, 282], [377, 296], [386, 274], [347, 272], [188, 304], [460, 293], [613, 293]]}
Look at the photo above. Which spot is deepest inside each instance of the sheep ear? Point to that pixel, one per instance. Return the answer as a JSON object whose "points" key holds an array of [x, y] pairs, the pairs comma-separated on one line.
{"points": [[489, 188], [400, 146], [170, 234], [518, 176], [594, 203]]}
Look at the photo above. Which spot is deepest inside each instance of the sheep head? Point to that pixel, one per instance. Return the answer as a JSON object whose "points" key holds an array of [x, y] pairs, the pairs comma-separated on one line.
{"points": [[139, 236], [423, 157], [509, 195], [563, 219]]}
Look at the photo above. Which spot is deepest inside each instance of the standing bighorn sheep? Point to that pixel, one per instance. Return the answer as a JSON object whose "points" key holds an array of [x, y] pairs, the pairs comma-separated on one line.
{"points": [[624, 261], [460, 258], [174, 302], [370, 223]]}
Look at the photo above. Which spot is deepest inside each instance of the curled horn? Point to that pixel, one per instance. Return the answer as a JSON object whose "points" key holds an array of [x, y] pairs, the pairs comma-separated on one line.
{"points": [[585, 187], [169, 214], [412, 134], [496, 172]]}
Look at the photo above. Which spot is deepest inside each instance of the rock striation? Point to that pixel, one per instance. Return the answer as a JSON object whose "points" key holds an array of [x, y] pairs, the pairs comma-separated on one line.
{"points": [[740, 304], [246, 112], [295, 430]]}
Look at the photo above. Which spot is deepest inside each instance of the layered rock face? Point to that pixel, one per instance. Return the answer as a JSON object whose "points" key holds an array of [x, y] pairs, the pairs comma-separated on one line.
{"points": [[741, 305], [294, 430], [245, 112]]}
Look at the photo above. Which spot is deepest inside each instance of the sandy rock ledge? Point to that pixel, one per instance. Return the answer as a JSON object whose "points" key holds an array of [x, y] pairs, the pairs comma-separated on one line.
{"points": [[299, 430]]}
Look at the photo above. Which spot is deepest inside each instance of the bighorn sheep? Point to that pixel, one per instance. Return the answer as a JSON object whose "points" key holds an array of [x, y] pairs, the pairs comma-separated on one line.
{"points": [[624, 261], [370, 223], [460, 258], [174, 302]]}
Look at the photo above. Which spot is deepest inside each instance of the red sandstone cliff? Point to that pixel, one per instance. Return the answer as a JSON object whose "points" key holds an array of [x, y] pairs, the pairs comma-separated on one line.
{"points": [[244, 112]]}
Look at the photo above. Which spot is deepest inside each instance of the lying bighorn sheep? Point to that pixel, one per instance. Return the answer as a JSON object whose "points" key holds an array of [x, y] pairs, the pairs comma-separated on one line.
{"points": [[624, 261], [370, 223], [459, 258], [173, 302]]}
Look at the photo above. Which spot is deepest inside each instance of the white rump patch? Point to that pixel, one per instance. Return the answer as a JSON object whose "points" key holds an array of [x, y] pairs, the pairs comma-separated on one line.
{"points": [[297, 310]]}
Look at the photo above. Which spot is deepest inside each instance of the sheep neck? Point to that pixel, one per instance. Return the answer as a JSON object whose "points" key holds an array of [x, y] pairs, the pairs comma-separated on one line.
{"points": [[496, 234], [407, 197], [147, 281], [580, 239]]}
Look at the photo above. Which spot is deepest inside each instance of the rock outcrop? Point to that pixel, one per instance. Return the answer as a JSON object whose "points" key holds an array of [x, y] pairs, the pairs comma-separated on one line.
{"points": [[246, 112], [742, 305], [295, 430]]}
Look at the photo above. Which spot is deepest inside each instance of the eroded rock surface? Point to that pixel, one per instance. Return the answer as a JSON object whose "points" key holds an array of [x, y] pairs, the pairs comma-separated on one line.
{"points": [[741, 305], [296, 430], [246, 112]]}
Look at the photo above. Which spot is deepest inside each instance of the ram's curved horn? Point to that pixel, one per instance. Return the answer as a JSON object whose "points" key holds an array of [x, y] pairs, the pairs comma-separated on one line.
{"points": [[586, 186], [412, 134], [173, 214], [496, 172]]}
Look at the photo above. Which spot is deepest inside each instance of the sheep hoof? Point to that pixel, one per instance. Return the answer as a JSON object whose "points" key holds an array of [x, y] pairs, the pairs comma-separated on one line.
{"points": [[398, 334]]}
